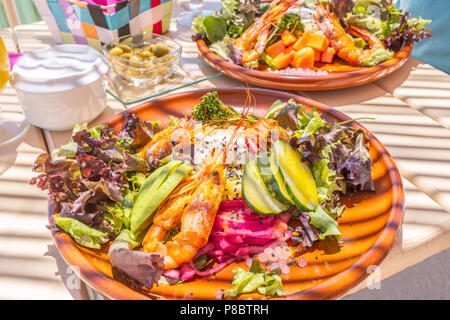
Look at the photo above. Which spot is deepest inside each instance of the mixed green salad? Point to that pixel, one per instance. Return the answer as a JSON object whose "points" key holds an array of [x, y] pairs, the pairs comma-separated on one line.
{"points": [[309, 34], [166, 217]]}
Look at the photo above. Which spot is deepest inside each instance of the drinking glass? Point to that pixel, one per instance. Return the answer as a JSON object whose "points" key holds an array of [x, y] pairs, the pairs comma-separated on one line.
{"points": [[194, 8], [13, 125], [4, 65]]}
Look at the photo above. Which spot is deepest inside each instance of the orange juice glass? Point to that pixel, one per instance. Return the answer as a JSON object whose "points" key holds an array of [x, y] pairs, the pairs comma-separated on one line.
{"points": [[4, 65]]}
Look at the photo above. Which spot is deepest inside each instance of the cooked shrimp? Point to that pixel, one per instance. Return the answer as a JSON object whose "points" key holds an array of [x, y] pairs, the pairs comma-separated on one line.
{"points": [[254, 40], [343, 42], [195, 211], [168, 215], [163, 142]]}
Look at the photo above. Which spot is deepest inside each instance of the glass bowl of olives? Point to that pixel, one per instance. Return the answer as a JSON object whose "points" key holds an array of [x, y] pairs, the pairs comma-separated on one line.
{"points": [[143, 59]]}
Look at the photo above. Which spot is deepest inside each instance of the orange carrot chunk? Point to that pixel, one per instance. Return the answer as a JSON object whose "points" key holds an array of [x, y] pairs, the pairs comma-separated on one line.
{"points": [[327, 56], [304, 59], [301, 42], [284, 59], [275, 49], [287, 38], [318, 42], [317, 55]]}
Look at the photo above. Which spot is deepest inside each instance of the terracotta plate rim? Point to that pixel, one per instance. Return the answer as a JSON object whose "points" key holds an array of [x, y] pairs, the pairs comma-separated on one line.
{"points": [[348, 278], [231, 69]]}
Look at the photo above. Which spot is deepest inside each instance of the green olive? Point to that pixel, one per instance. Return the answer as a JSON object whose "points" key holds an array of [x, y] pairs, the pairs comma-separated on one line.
{"points": [[147, 54], [125, 48], [126, 56], [135, 58], [160, 49], [116, 50]]}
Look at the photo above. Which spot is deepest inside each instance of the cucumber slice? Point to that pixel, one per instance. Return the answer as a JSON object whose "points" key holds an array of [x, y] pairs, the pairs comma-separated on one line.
{"points": [[273, 180], [300, 183], [255, 193]]}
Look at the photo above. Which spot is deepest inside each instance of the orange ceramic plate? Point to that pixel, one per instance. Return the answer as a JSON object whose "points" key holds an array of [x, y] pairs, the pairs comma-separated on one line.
{"points": [[356, 77], [369, 224]]}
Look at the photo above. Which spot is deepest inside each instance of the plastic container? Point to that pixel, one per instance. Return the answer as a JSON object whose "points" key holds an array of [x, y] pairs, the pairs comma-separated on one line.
{"points": [[60, 86], [148, 72]]}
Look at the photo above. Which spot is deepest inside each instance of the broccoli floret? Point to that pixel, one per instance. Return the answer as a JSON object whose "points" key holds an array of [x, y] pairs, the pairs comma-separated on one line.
{"points": [[211, 108], [290, 21]]}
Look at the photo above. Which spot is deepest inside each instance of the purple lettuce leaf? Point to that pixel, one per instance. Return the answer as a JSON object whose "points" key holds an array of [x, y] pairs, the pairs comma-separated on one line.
{"points": [[134, 133], [134, 268], [356, 168], [307, 234]]}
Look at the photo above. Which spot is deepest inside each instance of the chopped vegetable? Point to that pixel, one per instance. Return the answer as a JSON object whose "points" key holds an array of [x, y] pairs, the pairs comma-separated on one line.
{"points": [[284, 59], [301, 42], [287, 38], [256, 279], [291, 22], [211, 108], [317, 41], [267, 60], [304, 58], [154, 191], [328, 55], [275, 49]]}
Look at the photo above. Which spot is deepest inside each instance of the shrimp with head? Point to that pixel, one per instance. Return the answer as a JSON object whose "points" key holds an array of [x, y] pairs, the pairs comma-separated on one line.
{"points": [[343, 42], [193, 208], [162, 143], [253, 41]]}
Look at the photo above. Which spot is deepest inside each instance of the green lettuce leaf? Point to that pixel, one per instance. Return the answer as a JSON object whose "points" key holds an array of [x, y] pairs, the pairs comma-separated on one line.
{"points": [[267, 283], [197, 24], [326, 178], [377, 57], [70, 148], [215, 28], [222, 48], [326, 225], [309, 124], [229, 8], [81, 233], [119, 214]]}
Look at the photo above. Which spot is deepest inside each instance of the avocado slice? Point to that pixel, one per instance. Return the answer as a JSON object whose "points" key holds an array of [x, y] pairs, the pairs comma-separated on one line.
{"points": [[154, 191]]}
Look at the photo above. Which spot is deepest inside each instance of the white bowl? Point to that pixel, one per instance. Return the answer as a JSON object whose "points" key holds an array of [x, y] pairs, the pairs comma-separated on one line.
{"points": [[61, 86]]}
